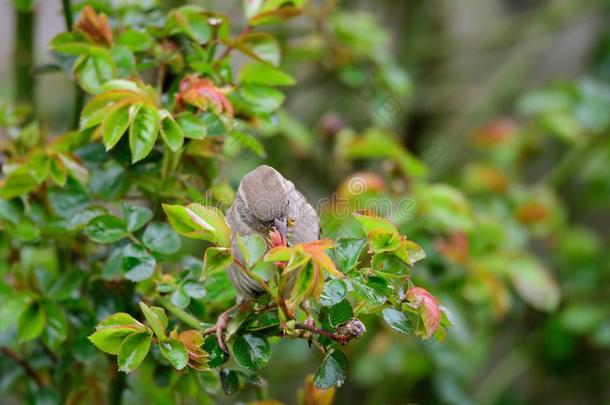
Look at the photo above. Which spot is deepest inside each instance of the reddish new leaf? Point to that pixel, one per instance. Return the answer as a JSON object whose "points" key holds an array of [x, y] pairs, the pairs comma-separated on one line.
{"points": [[428, 308]]}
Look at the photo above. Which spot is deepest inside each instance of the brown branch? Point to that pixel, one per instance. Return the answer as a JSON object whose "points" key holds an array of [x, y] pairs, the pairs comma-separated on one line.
{"points": [[341, 339], [24, 364], [52, 355]]}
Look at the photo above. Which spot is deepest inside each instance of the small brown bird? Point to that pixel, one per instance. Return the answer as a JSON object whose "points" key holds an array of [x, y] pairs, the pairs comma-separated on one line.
{"points": [[268, 203]]}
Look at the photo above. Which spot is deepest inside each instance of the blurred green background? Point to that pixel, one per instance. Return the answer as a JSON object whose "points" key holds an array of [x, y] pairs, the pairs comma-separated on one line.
{"points": [[506, 105]]}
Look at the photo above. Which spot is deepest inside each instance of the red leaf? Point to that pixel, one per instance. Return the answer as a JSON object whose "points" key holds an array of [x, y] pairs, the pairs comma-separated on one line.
{"points": [[202, 93], [95, 26], [428, 307]]}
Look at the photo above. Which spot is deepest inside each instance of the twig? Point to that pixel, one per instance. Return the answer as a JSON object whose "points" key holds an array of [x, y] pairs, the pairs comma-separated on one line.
{"points": [[179, 313], [341, 339], [54, 358], [229, 47], [24, 364]]}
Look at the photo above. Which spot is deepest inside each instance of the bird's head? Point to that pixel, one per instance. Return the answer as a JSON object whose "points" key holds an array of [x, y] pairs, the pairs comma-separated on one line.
{"points": [[265, 197]]}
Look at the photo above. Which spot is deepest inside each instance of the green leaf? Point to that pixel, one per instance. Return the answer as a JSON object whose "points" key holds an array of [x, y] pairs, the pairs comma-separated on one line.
{"points": [[137, 41], [260, 46], [160, 238], [261, 73], [397, 321], [251, 351], [115, 123], [133, 350], [11, 309], [180, 298], [96, 109], [71, 43], [120, 319], [106, 229], [94, 69], [65, 285], [534, 283], [190, 21], [68, 201], [199, 222], [375, 290], [334, 292], [56, 331], [124, 60], [112, 331], [304, 284], [446, 208], [246, 141], [347, 251], [26, 230], [229, 381], [156, 321], [252, 247], [31, 322], [216, 357], [25, 5], [80, 219], [39, 166], [138, 264], [113, 268], [332, 371], [193, 125], [340, 313], [258, 99], [58, 172], [215, 260], [194, 289], [135, 216], [143, 132], [175, 352], [388, 263], [214, 125], [109, 339], [172, 133], [377, 143], [17, 183]]}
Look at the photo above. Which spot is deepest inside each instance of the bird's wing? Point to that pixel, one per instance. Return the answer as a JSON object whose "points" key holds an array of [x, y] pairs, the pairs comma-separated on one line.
{"points": [[247, 287], [306, 222]]}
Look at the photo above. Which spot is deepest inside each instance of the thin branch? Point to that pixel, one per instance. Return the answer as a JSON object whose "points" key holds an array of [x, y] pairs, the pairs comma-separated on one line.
{"points": [[24, 364], [179, 313], [341, 339], [52, 355]]}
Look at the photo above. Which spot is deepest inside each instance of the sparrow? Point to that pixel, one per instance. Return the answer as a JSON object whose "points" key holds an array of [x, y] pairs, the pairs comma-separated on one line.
{"points": [[268, 205]]}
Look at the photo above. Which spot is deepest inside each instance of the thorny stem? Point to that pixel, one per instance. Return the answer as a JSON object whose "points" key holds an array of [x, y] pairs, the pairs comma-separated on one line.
{"points": [[24, 364]]}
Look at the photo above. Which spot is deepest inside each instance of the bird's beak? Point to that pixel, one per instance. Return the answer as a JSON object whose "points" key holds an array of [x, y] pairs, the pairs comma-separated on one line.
{"points": [[281, 225]]}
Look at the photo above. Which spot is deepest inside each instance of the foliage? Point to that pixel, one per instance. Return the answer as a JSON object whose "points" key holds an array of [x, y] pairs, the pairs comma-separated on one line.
{"points": [[114, 243], [84, 235]]}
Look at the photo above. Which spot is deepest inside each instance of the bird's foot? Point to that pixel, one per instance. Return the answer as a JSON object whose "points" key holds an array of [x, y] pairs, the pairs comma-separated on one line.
{"points": [[219, 328]]}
